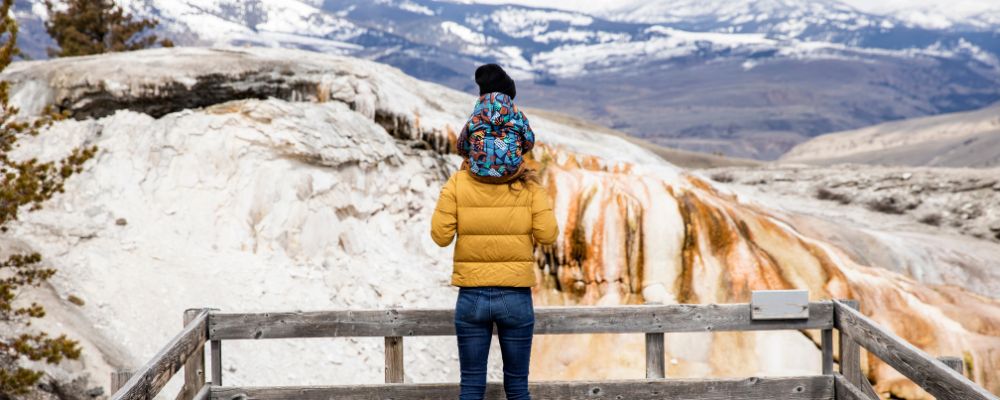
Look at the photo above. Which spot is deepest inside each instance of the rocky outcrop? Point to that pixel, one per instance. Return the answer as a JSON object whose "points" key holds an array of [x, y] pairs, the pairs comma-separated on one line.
{"points": [[319, 196], [962, 201]]}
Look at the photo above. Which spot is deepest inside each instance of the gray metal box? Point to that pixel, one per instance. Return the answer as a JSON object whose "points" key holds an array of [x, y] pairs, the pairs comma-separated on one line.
{"points": [[779, 304]]}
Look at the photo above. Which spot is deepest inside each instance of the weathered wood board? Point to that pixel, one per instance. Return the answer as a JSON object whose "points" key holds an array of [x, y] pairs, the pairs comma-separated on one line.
{"points": [[548, 320], [850, 360], [194, 369], [148, 380], [845, 390], [656, 360], [934, 376], [394, 359], [817, 387]]}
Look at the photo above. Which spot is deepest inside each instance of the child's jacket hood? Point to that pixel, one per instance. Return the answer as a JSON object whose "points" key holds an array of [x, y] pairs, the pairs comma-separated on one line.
{"points": [[495, 138]]}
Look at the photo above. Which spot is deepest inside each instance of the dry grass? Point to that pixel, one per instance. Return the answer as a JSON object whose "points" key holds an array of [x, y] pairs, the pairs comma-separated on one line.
{"points": [[827, 194], [931, 219], [888, 205]]}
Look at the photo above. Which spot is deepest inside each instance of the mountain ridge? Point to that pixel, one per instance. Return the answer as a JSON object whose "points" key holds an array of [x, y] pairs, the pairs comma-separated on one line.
{"points": [[964, 139], [967, 13], [754, 81]]}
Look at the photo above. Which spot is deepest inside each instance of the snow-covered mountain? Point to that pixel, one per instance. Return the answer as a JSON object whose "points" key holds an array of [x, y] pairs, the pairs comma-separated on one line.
{"points": [[934, 14], [747, 78], [273, 179]]}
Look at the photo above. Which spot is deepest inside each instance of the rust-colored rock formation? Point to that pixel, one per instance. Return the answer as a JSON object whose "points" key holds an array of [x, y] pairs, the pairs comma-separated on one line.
{"points": [[632, 235]]}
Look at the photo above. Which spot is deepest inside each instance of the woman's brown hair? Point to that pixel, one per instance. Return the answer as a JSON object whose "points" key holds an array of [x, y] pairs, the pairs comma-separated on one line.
{"points": [[524, 177]]}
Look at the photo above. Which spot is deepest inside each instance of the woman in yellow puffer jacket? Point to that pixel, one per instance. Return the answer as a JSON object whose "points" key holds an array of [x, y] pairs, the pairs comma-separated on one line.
{"points": [[497, 227]]}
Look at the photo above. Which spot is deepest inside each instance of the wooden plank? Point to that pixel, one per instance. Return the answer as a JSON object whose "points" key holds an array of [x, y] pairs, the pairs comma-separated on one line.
{"points": [[393, 359], [204, 393], [850, 359], [932, 375], [818, 387], [194, 369], [656, 366], [216, 362], [826, 343], [149, 379], [846, 391], [548, 320], [119, 378], [955, 363]]}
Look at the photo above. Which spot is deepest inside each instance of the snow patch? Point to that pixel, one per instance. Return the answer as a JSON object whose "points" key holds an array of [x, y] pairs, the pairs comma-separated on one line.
{"points": [[581, 36], [665, 43], [925, 19], [416, 8], [464, 33], [523, 23]]}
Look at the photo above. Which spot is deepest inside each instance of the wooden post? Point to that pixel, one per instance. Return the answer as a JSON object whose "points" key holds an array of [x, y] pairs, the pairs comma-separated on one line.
{"points": [[118, 379], [194, 368], [393, 359], [955, 363], [216, 362], [826, 341], [656, 366], [850, 359], [204, 394]]}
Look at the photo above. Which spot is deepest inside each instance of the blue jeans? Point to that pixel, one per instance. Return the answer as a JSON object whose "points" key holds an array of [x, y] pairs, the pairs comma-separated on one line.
{"points": [[476, 310]]}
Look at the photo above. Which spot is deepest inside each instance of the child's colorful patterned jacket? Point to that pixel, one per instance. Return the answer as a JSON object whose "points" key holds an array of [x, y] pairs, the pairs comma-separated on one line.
{"points": [[495, 139]]}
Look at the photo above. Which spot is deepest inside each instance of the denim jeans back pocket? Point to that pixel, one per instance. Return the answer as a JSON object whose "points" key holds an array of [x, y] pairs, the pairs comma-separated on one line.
{"points": [[519, 306], [466, 306]]}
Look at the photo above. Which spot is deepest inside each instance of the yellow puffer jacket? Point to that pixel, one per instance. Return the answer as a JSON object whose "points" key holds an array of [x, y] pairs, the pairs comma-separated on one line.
{"points": [[497, 227]]}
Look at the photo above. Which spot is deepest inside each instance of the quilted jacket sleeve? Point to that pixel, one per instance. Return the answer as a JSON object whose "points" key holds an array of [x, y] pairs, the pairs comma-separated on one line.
{"points": [[444, 222], [543, 221]]}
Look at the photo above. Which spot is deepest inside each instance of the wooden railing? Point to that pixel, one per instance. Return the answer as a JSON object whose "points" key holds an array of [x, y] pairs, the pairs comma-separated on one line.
{"points": [[855, 331], [934, 376]]}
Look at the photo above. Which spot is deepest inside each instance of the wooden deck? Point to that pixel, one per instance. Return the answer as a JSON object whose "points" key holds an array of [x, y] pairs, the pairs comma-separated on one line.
{"points": [[854, 331], [817, 387]]}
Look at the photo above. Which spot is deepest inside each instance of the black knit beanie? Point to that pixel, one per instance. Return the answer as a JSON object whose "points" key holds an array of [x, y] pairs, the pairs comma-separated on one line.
{"points": [[492, 78]]}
